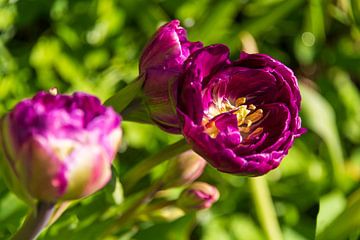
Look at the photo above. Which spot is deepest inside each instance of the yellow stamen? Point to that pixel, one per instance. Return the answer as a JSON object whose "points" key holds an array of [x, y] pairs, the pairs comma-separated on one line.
{"points": [[255, 133], [248, 122], [211, 129], [241, 114], [252, 107], [246, 116], [255, 116], [240, 101], [244, 129]]}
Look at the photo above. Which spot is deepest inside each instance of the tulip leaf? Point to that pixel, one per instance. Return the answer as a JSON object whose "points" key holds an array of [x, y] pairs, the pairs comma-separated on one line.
{"points": [[124, 97], [350, 98], [210, 29], [356, 11], [346, 223], [265, 22], [319, 116], [11, 210], [176, 230], [331, 205]]}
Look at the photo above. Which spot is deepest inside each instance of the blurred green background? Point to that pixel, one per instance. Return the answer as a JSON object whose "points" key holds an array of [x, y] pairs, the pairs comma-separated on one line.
{"points": [[94, 46]]}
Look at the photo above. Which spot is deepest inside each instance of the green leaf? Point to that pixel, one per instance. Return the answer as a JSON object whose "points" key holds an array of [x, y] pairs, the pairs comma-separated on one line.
{"points": [[319, 116], [347, 223], [261, 24], [331, 205], [350, 98], [176, 230]]}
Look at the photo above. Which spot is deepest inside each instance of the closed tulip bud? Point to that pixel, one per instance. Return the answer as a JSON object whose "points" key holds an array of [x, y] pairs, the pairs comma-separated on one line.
{"points": [[184, 169], [197, 196], [60, 147], [167, 214], [160, 65]]}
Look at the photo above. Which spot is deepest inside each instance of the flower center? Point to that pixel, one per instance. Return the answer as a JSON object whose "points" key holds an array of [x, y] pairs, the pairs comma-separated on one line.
{"points": [[246, 116]]}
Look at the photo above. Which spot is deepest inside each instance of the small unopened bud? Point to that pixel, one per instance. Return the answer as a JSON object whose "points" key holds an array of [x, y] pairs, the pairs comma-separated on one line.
{"points": [[197, 196], [183, 170], [167, 214]]}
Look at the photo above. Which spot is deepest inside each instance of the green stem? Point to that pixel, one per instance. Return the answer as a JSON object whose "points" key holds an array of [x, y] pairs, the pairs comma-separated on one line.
{"points": [[145, 166], [124, 97], [153, 207], [136, 111], [59, 209], [35, 222], [131, 212], [265, 209]]}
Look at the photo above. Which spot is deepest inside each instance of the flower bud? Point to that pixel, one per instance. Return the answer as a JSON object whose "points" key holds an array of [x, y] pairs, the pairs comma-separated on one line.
{"points": [[167, 214], [168, 48], [60, 147], [185, 169], [160, 65], [197, 196]]}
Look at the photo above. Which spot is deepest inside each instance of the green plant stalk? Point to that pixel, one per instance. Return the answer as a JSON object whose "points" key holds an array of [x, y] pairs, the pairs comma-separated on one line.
{"points": [[35, 222], [153, 207], [59, 209], [132, 211], [145, 166], [125, 96], [264, 208]]}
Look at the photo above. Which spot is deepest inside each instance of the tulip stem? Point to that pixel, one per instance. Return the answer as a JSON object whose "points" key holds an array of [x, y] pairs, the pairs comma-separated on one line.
{"points": [[264, 208], [35, 222], [125, 96], [59, 210], [157, 206], [145, 166], [131, 212]]}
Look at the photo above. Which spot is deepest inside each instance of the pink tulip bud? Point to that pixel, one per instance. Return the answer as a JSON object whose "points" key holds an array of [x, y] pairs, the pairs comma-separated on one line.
{"points": [[197, 196], [60, 147]]}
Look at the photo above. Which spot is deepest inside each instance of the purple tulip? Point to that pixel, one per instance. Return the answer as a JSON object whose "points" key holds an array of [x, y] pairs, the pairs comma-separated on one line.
{"points": [[61, 147], [241, 116], [197, 196], [160, 65]]}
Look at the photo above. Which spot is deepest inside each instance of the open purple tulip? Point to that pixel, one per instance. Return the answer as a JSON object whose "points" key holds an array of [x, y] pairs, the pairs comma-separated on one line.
{"points": [[241, 116], [61, 147], [160, 65]]}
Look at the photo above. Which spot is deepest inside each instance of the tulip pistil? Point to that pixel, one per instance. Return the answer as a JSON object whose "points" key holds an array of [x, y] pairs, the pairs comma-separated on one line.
{"points": [[247, 116]]}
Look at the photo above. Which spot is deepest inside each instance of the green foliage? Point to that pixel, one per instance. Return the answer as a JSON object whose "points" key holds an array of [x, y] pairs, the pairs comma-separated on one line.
{"points": [[94, 46]]}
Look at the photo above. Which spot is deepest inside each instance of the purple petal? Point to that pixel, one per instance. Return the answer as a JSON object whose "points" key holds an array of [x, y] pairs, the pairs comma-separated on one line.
{"points": [[160, 98], [198, 67], [169, 48]]}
